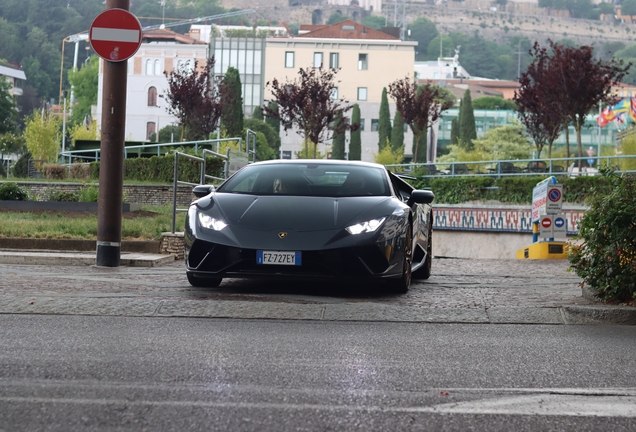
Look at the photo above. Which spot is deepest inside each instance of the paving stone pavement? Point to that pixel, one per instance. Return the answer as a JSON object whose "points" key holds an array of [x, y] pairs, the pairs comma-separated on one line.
{"points": [[460, 290]]}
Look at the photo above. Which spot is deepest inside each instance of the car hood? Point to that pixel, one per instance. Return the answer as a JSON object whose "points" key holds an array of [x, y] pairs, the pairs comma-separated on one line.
{"points": [[264, 213]]}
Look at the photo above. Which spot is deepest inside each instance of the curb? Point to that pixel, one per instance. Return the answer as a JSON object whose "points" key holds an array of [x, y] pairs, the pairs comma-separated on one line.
{"points": [[68, 245], [79, 258], [618, 315]]}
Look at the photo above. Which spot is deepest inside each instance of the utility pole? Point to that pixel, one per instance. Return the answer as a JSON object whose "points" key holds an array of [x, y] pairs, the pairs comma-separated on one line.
{"points": [[519, 60]]}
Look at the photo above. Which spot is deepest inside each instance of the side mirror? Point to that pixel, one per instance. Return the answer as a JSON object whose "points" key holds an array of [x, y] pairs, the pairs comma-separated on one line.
{"points": [[200, 191], [421, 197]]}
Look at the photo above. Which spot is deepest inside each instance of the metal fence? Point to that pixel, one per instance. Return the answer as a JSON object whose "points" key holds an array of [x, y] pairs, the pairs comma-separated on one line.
{"points": [[572, 167]]}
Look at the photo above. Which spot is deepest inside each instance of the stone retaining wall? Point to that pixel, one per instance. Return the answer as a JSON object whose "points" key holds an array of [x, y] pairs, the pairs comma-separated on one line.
{"points": [[156, 195], [172, 243]]}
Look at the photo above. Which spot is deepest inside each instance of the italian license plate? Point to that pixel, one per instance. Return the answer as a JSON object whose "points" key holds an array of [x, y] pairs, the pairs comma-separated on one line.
{"points": [[278, 258]]}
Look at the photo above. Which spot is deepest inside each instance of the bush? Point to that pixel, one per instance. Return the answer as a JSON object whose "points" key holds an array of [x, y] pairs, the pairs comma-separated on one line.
{"points": [[80, 171], [88, 193], [54, 171], [64, 196], [606, 260], [10, 191], [21, 167]]}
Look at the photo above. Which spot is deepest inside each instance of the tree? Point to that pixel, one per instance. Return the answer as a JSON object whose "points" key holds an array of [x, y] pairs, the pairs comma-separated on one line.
{"points": [[504, 142], [420, 107], [232, 103], [11, 143], [8, 112], [384, 122], [581, 81], [42, 136], [338, 144], [397, 132], [336, 17], [258, 114], [493, 102], [538, 103], [272, 121], [628, 7], [467, 129], [423, 31], [374, 21], [193, 98], [355, 145], [84, 83], [272, 138], [454, 135], [308, 104]]}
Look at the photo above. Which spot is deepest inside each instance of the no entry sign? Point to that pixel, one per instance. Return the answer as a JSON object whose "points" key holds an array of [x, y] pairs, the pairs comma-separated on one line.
{"points": [[115, 35]]}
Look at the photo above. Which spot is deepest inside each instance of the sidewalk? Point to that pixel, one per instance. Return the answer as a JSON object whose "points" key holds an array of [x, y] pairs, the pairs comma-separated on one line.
{"points": [[459, 291]]}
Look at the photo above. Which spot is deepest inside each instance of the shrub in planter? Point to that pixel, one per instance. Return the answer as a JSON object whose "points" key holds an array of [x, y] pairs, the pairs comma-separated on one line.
{"points": [[10, 191], [54, 171], [606, 260], [64, 196], [80, 171], [89, 193]]}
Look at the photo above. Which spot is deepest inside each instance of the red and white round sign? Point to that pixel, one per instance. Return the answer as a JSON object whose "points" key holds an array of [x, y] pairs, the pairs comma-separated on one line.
{"points": [[115, 35], [546, 222]]}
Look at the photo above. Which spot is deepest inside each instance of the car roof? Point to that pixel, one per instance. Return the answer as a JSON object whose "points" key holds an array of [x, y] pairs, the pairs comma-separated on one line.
{"points": [[335, 162]]}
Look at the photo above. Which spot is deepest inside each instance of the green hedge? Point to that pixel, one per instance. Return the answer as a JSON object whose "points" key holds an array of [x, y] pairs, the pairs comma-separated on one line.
{"points": [[514, 190], [161, 169]]}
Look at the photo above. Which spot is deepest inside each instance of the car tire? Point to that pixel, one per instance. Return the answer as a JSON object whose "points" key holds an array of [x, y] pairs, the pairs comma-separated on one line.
{"points": [[424, 272], [203, 282], [401, 285]]}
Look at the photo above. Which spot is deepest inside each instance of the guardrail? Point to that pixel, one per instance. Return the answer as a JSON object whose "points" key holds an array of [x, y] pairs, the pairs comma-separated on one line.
{"points": [[520, 167]]}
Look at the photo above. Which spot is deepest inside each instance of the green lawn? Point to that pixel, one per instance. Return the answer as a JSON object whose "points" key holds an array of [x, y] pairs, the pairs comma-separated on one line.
{"points": [[145, 225]]}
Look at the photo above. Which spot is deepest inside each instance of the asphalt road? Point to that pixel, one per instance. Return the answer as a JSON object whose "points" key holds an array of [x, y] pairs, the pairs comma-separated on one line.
{"points": [[147, 373]]}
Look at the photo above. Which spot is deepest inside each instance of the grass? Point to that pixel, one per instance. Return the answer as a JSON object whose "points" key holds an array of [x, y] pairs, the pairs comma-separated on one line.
{"points": [[146, 225]]}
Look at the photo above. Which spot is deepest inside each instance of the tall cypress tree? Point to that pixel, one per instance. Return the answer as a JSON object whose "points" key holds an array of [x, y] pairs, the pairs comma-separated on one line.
{"points": [[258, 114], [397, 132], [355, 146], [384, 122], [454, 131], [232, 103], [467, 128], [338, 144]]}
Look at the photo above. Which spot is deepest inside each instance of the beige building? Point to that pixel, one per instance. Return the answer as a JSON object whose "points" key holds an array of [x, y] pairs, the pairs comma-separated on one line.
{"points": [[369, 60]]}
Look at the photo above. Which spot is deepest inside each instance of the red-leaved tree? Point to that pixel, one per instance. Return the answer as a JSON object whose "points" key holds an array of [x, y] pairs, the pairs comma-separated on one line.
{"points": [[420, 107], [539, 103], [308, 103], [193, 97]]}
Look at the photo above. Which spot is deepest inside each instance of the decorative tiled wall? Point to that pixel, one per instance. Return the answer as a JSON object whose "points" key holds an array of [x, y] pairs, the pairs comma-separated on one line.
{"points": [[497, 219]]}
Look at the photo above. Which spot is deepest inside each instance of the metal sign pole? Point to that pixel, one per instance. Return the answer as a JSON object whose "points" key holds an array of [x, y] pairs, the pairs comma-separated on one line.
{"points": [[111, 170]]}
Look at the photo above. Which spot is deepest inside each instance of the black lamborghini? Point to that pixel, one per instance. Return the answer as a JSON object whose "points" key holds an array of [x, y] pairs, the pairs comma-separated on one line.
{"points": [[310, 220]]}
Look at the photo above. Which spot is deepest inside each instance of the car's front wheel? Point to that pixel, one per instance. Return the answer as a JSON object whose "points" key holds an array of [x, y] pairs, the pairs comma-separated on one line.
{"points": [[203, 282], [401, 285]]}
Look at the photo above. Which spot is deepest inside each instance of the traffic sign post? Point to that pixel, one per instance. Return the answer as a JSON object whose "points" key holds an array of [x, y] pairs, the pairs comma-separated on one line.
{"points": [[547, 222], [115, 35]]}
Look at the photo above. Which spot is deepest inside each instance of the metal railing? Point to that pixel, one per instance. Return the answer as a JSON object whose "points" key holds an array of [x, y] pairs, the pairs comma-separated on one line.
{"points": [[66, 157], [519, 167]]}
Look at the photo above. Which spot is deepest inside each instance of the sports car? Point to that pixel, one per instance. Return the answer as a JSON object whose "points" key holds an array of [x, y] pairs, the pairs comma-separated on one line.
{"points": [[310, 220]]}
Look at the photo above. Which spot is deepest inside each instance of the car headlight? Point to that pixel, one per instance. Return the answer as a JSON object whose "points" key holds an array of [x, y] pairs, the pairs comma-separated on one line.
{"points": [[211, 223], [365, 227]]}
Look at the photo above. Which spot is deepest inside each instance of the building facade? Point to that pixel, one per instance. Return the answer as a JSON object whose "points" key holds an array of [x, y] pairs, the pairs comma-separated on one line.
{"points": [[368, 61], [161, 50]]}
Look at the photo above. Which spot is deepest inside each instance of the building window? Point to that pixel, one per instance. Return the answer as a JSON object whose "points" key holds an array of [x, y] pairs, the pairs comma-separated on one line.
{"points": [[334, 60], [152, 96], [334, 93], [317, 59], [289, 59], [363, 62], [362, 93], [361, 125], [149, 67], [150, 131], [158, 70], [374, 125]]}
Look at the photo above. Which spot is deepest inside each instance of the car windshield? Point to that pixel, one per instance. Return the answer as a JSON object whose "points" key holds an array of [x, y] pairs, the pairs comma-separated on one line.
{"points": [[312, 179]]}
